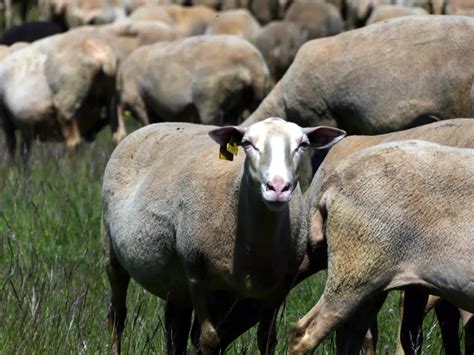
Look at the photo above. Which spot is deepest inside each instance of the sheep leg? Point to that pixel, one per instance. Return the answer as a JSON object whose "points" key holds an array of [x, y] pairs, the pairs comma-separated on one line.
{"points": [[177, 323], [137, 107], [208, 339], [266, 333], [369, 344], [401, 302], [432, 301], [116, 119], [232, 318], [448, 319], [119, 280], [130, 99], [71, 134], [330, 311], [411, 330], [352, 334], [208, 112], [241, 318]]}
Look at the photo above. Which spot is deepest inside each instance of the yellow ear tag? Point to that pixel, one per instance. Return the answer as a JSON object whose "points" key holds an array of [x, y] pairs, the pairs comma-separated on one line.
{"points": [[228, 152]]}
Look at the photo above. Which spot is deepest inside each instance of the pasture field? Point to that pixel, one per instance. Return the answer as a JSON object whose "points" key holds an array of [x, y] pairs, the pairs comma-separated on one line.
{"points": [[54, 292]]}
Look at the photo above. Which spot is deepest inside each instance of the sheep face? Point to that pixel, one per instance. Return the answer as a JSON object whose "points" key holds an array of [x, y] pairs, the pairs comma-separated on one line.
{"points": [[274, 150]]}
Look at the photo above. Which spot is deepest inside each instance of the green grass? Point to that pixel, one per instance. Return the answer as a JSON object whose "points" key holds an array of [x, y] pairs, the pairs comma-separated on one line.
{"points": [[54, 292]]}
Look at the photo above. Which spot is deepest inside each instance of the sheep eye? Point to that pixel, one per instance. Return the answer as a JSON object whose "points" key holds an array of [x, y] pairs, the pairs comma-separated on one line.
{"points": [[248, 144], [302, 146]]}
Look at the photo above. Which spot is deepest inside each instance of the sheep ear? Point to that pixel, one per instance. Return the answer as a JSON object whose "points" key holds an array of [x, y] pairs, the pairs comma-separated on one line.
{"points": [[228, 138], [225, 135], [324, 137]]}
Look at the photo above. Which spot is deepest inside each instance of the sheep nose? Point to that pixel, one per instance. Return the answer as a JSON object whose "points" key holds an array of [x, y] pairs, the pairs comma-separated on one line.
{"points": [[278, 184]]}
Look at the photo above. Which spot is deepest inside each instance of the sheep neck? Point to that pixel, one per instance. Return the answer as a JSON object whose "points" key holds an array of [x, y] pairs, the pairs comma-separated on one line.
{"points": [[260, 229]]}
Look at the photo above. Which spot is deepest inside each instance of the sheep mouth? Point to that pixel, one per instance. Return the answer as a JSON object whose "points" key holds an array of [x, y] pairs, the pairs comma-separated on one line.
{"points": [[276, 205]]}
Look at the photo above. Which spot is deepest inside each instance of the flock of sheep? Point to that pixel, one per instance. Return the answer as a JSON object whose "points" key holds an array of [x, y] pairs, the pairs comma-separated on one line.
{"points": [[205, 209]]}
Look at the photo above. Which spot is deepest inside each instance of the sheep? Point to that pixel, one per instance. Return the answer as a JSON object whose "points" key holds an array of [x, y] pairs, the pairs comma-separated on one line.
{"points": [[386, 12], [189, 21], [43, 98], [459, 7], [455, 132], [126, 36], [132, 5], [210, 79], [319, 18], [279, 41], [238, 22], [395, 215], [363, 81], [93, 12], [187, 226]]}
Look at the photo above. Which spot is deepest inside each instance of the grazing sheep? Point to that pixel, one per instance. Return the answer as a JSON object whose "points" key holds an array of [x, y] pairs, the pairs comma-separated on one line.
{"points": [[201, 79], [56, 89], [74, 75], [279, 42], [126, 36], [268, 10], [320, 19], [132, 5], [394, 215], [235, 22], [459, 7], [68, 13], [356, 12], [264, 10], [188, 226], [386, 12], [189, 21], [381, 78], [93, 12]]}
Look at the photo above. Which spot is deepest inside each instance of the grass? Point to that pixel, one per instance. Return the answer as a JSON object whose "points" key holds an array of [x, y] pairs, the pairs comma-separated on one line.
{"points": [[54, 293]]}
